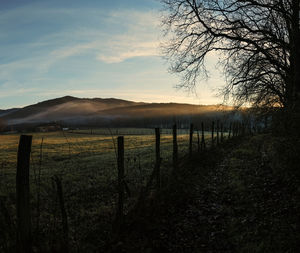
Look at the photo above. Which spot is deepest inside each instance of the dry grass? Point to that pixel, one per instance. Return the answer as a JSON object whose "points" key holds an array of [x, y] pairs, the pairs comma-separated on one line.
{"points": [[86, 163], [81, 153]]}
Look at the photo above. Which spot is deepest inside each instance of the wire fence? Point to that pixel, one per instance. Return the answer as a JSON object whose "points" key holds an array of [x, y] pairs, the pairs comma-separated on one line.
{"points": [[86, 163]]}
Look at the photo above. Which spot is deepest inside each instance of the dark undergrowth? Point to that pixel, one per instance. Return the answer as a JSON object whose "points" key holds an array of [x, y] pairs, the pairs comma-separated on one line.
{"points": [[241, 197]]}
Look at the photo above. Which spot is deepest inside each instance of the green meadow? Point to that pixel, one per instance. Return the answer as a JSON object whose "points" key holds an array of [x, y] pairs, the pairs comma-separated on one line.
{"points": [[84, 152], [86, 163], [85, 158]]}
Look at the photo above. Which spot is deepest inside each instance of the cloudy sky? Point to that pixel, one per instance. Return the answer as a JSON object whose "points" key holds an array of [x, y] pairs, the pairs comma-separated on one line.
{"points": [[88, 48]]}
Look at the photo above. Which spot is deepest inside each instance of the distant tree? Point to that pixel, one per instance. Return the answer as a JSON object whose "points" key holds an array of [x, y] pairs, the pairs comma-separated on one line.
{"points": [[258, 42]]}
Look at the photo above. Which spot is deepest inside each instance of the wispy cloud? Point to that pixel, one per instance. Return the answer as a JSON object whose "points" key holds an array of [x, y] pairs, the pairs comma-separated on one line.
{"points": [[138, 39], [16, 92], [48, 52], [122, 50]]}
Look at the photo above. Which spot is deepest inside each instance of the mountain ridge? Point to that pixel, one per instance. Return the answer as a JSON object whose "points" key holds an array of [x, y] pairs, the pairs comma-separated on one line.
{"points": [[74, 109]]}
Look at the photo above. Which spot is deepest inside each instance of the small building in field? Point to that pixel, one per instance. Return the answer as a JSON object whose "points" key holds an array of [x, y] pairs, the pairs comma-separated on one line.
{"points": [[51, 127]]}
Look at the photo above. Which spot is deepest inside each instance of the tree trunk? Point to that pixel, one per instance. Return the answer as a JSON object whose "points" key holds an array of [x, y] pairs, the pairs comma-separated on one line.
{"points": [[292, 106]]}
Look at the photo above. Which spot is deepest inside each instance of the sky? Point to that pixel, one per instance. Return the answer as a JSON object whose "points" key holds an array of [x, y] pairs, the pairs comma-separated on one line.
{"points": [[89, 48]]}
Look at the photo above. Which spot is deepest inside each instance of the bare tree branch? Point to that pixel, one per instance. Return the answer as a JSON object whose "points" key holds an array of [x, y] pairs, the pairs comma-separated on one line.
{"points": [[256, 41]]}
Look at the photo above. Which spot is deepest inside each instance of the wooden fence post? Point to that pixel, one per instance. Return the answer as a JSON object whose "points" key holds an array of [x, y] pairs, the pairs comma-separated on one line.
{"points": [[233, 129], [64, 217], [120, 181], [157, 156], [217, 130], [212, 133], [202, 137], [24, 239], [191, 140], [175, 147], [229, 134], [241, 129], [198, 140], [222, 136]]}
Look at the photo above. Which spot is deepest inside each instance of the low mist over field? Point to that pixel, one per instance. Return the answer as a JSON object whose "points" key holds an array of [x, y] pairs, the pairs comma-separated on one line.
{"points": [[74, 111]]}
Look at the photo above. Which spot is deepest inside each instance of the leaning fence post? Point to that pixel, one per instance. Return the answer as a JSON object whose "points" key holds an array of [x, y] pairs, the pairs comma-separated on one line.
{"points": [[175, 147], [191, 140], [212, 133], [24, 239], [120, 181], [157, 156]]}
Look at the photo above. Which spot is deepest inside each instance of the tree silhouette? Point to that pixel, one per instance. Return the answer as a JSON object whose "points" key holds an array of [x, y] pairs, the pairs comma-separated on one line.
{"points": [[257, 41]]}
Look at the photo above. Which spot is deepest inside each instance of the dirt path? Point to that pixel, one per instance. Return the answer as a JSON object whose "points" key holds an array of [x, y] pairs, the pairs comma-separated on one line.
{"points": [[232, 199]]}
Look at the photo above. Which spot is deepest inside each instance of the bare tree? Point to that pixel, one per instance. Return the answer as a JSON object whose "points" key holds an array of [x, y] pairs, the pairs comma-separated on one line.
{"points": [[258, 42]]}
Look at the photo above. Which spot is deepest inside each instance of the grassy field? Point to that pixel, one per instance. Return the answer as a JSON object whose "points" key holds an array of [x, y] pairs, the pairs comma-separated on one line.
{"points": [[80, 151], [85, 161], [81, 155]]}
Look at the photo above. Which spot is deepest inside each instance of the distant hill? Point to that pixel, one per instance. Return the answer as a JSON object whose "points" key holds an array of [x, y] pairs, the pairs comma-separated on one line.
{"points": [[99, 111], [64, 108], [8, 111]]}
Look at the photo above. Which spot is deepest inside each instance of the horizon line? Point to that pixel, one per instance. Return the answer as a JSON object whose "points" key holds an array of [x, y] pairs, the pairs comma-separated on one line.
{"points": [[152, 102]]}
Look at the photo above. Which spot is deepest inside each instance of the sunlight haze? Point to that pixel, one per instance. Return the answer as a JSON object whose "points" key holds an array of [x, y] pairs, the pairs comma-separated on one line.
{"points": [[89, 49]]}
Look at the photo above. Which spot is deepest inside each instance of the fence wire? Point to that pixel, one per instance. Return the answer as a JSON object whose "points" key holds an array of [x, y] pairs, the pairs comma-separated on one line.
{"points": [[86, 162]]}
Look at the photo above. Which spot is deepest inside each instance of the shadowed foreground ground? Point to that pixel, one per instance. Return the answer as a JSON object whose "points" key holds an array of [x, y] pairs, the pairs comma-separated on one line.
{"points": [[243, 197]]}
